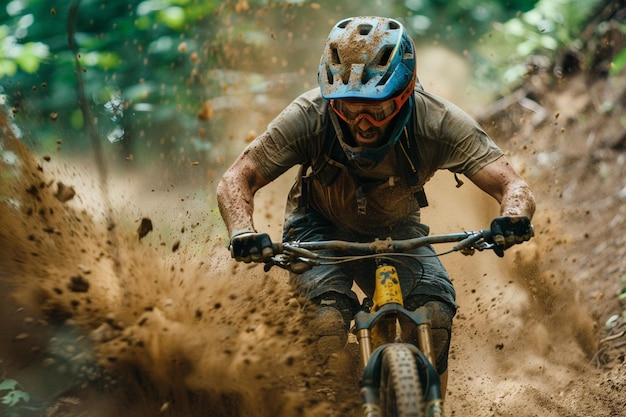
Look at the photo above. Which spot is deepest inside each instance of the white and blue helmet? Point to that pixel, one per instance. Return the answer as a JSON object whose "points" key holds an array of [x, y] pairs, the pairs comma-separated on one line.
{"points": [[367, 58]]}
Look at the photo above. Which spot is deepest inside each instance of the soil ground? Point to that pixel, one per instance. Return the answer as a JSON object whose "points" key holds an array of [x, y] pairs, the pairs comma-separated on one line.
{"points": [[98, 319]]}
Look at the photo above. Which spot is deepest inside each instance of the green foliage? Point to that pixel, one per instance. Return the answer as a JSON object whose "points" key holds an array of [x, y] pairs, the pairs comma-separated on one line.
{"points": [[14, 55], [619, 60], [619, 63], [552, 23], [549, 27], [15, 402], [149, 66], [13, 399], [12, 394], [458, 24]]}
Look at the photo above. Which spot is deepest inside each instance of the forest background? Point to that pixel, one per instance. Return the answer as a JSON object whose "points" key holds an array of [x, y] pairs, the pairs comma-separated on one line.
{"points": [[165, 79]]}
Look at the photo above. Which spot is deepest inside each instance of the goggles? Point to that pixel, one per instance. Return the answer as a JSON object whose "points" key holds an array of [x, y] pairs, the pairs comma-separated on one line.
{"points": [[376, 112]]}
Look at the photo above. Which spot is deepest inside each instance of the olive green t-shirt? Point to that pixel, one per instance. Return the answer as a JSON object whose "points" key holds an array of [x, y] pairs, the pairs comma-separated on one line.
{"points": [[446, 138]]}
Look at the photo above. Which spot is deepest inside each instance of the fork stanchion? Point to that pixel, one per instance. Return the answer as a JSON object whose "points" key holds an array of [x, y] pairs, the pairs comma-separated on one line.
{"points": [[425, 341], [364, 337]]}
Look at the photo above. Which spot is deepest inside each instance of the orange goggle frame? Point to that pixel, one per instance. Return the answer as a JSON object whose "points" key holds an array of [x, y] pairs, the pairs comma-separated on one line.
{"points": [[376, 112]]}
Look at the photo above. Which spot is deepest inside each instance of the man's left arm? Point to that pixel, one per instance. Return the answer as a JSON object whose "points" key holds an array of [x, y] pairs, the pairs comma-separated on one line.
{"points": [[501, 181], [517, 203]]}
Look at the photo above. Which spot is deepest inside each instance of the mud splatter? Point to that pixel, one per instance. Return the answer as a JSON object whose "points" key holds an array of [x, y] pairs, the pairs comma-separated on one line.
{"points": [[149, 331]]}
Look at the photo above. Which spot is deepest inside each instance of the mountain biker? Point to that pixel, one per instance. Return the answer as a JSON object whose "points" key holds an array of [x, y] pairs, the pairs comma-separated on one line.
{"points": [[368, 139]]}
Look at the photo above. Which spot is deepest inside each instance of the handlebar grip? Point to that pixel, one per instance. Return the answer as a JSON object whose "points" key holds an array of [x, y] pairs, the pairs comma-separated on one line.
{"points": [[487, 235]]}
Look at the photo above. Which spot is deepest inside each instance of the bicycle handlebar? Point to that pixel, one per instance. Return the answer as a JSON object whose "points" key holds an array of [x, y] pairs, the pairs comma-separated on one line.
{"points": [[300, 256]]}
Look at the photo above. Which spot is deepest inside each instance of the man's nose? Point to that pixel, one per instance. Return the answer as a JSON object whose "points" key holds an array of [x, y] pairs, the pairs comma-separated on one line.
{"points": [[364, 124]]}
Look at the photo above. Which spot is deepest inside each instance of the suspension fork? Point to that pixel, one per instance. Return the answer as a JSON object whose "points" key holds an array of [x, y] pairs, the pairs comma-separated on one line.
{"points": [[388, 300], [387, 291], [424, 343]]}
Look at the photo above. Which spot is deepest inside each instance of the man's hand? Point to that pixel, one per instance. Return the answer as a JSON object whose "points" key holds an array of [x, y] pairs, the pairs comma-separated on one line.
{"points": [[249, 246], [510, 230]]}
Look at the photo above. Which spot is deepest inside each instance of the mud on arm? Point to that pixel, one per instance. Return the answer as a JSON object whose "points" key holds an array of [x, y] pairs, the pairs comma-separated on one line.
{"points": [[235, 194], [500, 180]]}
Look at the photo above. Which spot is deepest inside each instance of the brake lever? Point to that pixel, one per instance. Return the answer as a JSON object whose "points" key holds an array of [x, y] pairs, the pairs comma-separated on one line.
{"points": [[300, 265], [470, 243], [476, 241]]}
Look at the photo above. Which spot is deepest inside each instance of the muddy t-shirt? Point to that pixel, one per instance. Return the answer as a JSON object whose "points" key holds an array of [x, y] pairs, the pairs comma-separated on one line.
{"points": [[362, 199]]}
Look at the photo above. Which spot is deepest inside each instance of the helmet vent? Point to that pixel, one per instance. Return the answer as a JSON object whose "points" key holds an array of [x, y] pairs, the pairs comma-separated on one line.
{"points": [[335, 56], [329, 76], [344, 24], [384, 79], [384, 56], [365, 29], [393, 25]]}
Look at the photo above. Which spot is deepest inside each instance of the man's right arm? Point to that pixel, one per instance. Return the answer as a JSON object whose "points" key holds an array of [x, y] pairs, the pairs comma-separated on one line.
{"points": [[235, 194]]}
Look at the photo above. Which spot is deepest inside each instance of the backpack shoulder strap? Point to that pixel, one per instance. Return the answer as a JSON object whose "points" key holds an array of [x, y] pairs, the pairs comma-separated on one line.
{"points": [[332, 159], [409, 159], [324, 167]]}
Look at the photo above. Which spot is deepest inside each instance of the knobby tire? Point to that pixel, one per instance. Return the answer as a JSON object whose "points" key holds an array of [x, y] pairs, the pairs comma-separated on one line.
{"points": [[400, 389]]}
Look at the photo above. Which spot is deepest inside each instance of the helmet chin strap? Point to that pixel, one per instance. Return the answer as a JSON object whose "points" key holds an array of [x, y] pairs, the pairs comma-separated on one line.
{"points": [[377, 154]]}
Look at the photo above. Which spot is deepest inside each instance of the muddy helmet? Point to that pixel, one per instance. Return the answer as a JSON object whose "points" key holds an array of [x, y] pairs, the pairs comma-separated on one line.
{"points": [[367, 58]]}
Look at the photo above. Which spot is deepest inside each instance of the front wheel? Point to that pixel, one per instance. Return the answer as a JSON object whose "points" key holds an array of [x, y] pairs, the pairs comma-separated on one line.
{"points": [[400, 389]]}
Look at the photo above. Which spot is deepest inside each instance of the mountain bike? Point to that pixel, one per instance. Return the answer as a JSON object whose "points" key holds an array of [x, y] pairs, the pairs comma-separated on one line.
{"points": [[398, 379]]}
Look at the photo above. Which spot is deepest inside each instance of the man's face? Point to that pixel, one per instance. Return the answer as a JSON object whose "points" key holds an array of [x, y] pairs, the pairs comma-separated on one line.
{"points": [[368, 120]]}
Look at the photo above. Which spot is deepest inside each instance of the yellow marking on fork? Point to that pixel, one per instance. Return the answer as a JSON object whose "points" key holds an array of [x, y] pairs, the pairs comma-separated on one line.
{"points": [[387, 287]]}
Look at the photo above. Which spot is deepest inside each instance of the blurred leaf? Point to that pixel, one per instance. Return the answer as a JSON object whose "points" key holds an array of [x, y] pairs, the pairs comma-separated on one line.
{"points": [[619, 63], [31, 56], [173, 17], [14, 395], [7, 68], [105, 60], [76, 119], [13, 398], [109, 60], [515, 27], [8, 384], [549, 43]]}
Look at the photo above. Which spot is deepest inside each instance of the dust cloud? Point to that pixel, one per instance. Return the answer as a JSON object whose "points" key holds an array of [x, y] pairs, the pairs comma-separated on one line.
{"points": [[97, 320], [519, 335]]}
